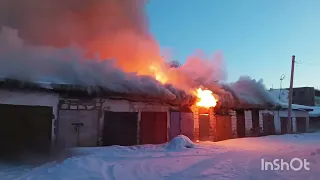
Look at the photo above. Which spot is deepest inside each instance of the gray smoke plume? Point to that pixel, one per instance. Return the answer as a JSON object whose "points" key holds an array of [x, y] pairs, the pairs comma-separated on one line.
{"points": [[105, 43], [250, 91], [69, 66], [114, 29]]}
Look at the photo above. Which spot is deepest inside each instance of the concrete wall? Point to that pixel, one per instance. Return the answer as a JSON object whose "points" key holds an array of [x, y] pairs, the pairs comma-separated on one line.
{"points": [[32, 98], [284, 113]]}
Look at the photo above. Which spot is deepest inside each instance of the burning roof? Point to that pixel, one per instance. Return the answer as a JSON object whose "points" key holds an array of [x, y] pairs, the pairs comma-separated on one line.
{"points": [[107, 45]]}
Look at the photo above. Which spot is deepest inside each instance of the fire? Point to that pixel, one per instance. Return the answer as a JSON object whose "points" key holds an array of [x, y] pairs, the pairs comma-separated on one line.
{"points": [[205, 98], [158, 74]]}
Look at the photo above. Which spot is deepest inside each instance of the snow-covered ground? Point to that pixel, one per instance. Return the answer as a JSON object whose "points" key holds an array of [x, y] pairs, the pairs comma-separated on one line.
{"points": [[238, 159]]}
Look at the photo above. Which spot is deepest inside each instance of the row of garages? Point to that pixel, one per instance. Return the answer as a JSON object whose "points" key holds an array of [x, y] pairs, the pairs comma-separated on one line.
{"points": [[31, 126], [37, 126], [121, 128]]}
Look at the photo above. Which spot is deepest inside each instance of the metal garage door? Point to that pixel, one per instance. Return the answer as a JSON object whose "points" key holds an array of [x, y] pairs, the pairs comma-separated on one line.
{"points": [[241, 124], [78, 128], [223, 128], [175, 126], [120, 128], [153, 127], [268, 124], [284, 125], [204, 127], [301, 124], [25, 128], [187, 124]]}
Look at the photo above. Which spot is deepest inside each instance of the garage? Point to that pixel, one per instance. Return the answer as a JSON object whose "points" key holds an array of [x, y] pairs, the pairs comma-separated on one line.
{"points": [[181, 123], [241, 124], [175, 124], [223, 127], [268, 124], [204, 127], [120, 128], [78, 128], [25, 129], [284, 125], [153, 128], [301, 124], [187, 124]]}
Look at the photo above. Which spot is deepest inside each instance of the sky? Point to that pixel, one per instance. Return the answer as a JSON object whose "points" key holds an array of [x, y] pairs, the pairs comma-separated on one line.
{"points": [[257, 37]]}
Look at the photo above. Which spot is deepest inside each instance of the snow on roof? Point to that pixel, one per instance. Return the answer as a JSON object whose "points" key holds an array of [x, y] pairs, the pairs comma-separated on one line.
{"points": [[315, 112], [298, 107]]}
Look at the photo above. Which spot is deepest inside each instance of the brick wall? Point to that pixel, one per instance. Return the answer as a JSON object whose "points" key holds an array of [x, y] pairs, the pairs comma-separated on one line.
{"points": [[195, 111], [248, 123], [213, 125], [233, 123], [212, 128]]}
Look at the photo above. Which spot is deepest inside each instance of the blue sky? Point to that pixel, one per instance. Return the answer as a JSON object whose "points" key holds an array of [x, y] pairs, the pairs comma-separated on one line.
{"points": [[257, 37]]}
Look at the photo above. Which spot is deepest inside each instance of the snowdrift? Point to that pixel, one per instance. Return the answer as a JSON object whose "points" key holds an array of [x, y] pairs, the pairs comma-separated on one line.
{"points": [[180, 142]]}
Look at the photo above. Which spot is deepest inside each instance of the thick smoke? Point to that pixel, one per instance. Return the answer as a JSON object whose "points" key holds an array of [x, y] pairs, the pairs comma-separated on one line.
{"points": [[69, 66], [105, 43], [68, 41], [250, 91], [115, 29]]}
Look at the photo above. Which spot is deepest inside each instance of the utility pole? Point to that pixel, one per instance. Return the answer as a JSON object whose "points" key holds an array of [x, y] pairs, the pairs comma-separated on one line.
{"points": [[290, 94]]}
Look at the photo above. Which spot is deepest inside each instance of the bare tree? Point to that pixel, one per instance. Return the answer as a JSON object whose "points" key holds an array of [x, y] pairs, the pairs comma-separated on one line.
{"points": [[174, 64]]}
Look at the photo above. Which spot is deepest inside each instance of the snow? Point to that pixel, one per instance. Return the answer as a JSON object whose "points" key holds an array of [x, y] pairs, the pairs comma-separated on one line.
{"points": [[180, 142], [238, 159], [315, 112]]}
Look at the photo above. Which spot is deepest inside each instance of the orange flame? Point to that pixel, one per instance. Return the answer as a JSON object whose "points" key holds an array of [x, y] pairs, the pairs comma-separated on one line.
{"points": [[158, 74], [205, 98]]}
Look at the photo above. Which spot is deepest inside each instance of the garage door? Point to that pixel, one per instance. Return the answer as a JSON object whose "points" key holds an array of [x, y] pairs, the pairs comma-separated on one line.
{"points": [[187, 124], [223, 128], [153, 128], [284, 125], [120, 128], [25, 128], [175, 127], [241, 124], [301, 124], [78, 128], [204, 127], [268, 124]]}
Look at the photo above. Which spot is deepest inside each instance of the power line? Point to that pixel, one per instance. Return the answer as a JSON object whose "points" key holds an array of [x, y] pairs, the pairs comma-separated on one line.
{"points": [[307, 63]]}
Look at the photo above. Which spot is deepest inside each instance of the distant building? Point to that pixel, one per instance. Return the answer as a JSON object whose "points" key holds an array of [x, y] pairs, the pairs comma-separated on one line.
{"points": [[308, 96]]}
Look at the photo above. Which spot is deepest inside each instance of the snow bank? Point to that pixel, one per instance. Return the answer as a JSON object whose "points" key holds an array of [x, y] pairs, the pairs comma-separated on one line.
{"points": [[231, 159], [180, 142]]}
